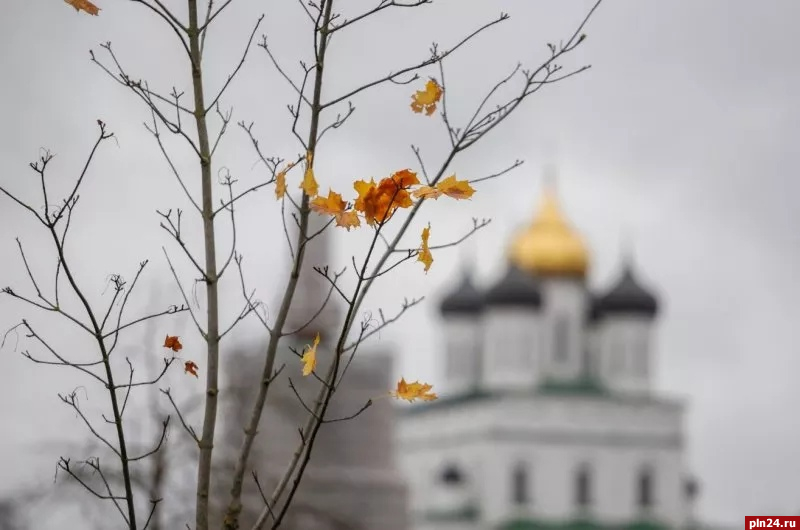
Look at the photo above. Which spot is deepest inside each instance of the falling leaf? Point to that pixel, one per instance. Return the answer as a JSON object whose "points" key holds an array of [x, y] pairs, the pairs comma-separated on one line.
{"points": [[457, 189], [310, 357], [426, 100], [348, 220], [84, 5], [412, 391], [426, 192], [190, 367], [425, 255], [335, 206], [173, 343], [309, 184], [280, 181]]}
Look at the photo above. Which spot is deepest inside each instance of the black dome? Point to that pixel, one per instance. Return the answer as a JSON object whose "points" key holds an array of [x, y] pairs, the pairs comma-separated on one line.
{"points": [[465, 299], [627, 297], [516, 288]]}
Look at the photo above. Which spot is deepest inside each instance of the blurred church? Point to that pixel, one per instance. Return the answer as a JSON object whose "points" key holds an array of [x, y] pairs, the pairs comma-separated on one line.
{"points": [[547, 416]]}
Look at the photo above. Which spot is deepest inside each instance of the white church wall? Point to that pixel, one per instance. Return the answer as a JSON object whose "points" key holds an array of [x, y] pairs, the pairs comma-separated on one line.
{"points": [[552, 435], [512, 350], [463, 336], [552, 487], [564, 299], [625, 353], [593, 344]]}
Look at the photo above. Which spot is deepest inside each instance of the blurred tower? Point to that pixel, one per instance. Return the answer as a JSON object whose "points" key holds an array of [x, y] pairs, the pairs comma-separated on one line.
{"points": [[351, 481], [312, 287]]}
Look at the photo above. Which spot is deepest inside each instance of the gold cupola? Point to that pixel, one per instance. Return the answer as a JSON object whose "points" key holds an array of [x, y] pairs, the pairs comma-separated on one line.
{"points": [[549, 246]]}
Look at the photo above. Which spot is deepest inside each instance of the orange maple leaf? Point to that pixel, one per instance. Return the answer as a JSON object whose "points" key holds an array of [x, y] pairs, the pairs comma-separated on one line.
{"points": [[190, 367], [412, 391], [425, 255], [309, 184], [173, 343], [309, 358], [426, 100], [280, 181], [457, 189], [84, 5]]}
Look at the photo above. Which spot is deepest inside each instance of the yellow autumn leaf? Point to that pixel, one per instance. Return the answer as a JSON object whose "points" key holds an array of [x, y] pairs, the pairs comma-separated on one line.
{"points": [[426, 192], [426, 100], [425, 255], [412, 391], [309, 184], [335, 206], [280, 181], [310, 357], [331, 205], [457, 189]]}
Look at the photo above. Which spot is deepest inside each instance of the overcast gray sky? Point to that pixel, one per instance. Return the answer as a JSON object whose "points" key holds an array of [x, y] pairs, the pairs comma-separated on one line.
{"points": [[683, 134]]}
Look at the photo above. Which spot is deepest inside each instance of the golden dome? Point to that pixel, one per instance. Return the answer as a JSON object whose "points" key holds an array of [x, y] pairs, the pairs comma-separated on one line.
{"points": [[549, 246]]}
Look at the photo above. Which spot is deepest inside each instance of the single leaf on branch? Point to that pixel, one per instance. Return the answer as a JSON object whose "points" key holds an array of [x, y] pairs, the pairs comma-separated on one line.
{"points": [[309, 184], [452, 187], [309, 358], [457, 189], [413, 391], [280, 181], [84, 5], [425, 100], [425, 255]]}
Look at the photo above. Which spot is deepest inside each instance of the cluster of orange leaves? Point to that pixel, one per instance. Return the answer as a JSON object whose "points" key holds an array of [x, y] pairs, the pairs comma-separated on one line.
{"points": [[376, 201], [407, 391], [173, 343], [84, 5]]}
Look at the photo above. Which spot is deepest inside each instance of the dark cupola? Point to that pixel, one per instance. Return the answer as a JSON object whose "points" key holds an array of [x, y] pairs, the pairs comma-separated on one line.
{"points": [[517, 288], [627, 296]]}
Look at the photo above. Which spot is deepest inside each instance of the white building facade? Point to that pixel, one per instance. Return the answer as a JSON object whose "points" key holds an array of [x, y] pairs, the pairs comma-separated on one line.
{"points": [[547, 417]]}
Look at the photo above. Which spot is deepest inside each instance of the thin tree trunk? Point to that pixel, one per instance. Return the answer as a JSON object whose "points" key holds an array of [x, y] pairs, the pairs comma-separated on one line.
{"points": [[212, 326]]}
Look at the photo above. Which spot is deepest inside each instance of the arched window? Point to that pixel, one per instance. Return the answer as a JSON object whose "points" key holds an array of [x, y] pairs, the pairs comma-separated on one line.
{"points": [[451, 475], [520, 484], [645, 487], [583, 486], [561, 339]]}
